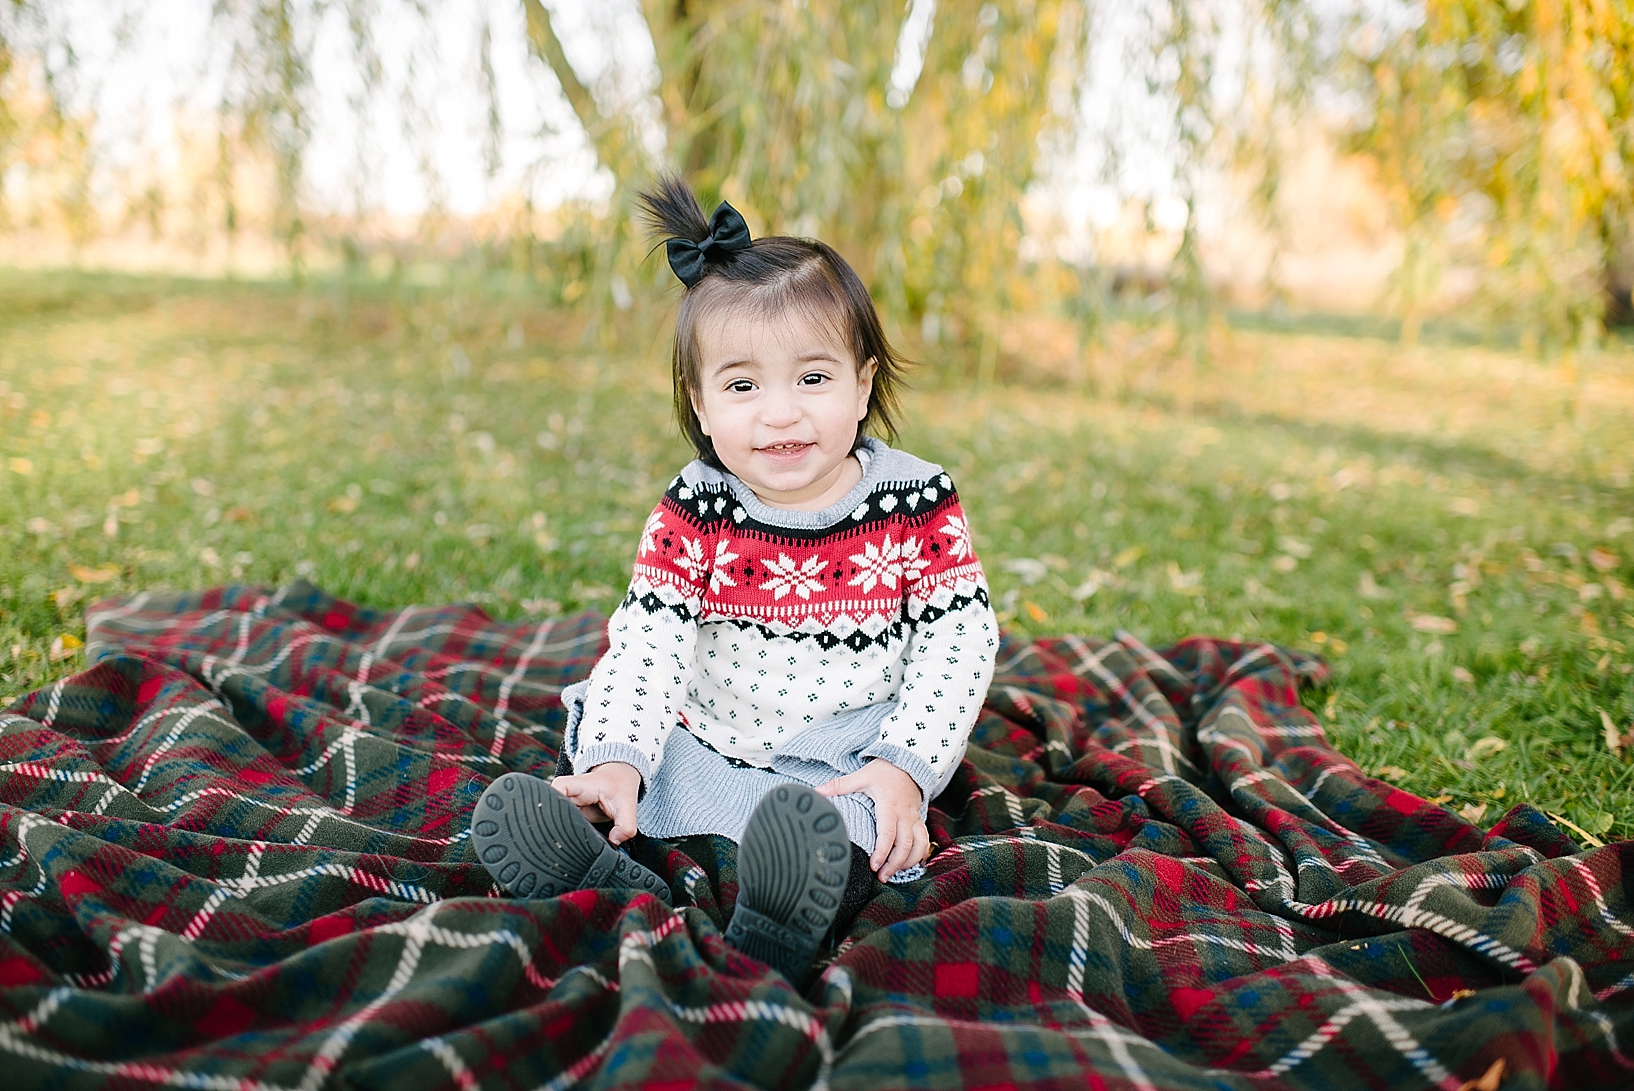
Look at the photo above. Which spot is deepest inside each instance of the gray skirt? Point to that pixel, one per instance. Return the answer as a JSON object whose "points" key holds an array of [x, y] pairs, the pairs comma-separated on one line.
{"points": [[699, 790]]}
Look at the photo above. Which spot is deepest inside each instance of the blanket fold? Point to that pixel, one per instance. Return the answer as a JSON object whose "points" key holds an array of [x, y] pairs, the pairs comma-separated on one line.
{"points": [[234, 854]]}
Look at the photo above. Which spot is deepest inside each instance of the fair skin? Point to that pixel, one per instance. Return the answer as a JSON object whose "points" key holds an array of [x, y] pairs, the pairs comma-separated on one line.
{"points": [[780, 397]]}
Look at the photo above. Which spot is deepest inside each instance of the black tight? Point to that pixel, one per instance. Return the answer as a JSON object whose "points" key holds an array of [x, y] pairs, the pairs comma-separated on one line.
{"points": [[860, 885]]}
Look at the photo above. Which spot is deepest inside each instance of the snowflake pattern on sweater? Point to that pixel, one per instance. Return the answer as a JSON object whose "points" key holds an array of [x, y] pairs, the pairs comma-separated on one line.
{"points": [[745, 624]]}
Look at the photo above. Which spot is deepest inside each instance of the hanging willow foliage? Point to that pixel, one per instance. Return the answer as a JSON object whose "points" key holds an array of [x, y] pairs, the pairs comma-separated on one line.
{"points": [[1514, 115], [1528, 107], [782, 108]]}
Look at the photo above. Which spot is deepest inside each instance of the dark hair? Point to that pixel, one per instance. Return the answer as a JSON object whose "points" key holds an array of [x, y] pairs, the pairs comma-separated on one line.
{"points": [[771, 274]]}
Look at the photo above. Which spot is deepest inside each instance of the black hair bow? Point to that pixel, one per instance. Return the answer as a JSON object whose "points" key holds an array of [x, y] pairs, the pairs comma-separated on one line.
{"points": [[727, 233]]}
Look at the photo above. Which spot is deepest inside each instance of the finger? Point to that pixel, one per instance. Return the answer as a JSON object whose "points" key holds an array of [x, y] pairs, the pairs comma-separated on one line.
{"points": [[842, 786], [884, 838], [921, 844], [899, 851], [592, 813], [623, 814]]}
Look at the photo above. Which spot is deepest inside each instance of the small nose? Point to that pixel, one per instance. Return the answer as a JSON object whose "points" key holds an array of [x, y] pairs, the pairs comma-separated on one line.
{"points": [[780, 409]]}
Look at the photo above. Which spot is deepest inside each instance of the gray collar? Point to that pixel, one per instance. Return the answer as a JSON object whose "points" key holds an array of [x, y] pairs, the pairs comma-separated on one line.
{"points": [[873, 467]]}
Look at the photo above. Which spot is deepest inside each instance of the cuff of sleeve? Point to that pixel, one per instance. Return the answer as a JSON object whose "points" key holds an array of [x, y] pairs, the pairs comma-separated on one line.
{"points": [[910, 763], [601, 753]]}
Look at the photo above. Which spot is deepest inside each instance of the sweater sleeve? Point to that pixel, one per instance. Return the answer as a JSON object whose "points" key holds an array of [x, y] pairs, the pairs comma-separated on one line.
{"points": [[950, 653], [638, 685]]}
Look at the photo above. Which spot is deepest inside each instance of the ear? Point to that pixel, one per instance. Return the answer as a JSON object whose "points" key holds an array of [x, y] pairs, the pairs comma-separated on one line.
{"points": [[698, 411], [865, 386]]}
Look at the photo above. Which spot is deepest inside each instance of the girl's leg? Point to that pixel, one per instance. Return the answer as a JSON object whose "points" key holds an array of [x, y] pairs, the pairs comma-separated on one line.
{"points": [[537, 844], [860, 887]]}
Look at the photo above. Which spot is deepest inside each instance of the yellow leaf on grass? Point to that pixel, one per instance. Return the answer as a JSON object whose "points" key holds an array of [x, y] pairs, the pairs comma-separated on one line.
{"points": [[1588, 838], [92, 575], [1128, 556], [1035, 611], [1392, 772], [1433, 623], [1489, 744], [64, 646], [21, 466], [1472, 812], [1614, 739]]}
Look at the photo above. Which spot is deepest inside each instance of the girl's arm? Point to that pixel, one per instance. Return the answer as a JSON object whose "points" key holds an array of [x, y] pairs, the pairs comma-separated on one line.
{"points": [[639, 683], [950, 658]]}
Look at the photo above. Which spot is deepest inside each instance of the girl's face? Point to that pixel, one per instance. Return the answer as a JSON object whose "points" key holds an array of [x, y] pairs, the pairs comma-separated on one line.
{"points": [[780, 398]]}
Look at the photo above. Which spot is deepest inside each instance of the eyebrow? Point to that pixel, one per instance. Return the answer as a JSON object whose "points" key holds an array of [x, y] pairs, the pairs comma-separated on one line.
{"points": [[808, 357]]}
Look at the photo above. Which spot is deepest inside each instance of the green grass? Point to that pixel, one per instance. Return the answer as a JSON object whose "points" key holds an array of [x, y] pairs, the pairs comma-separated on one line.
{"points": [[1329, 492]]}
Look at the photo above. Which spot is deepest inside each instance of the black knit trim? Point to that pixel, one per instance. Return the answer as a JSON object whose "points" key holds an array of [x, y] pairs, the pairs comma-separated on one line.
{"points": [[709, 507]]}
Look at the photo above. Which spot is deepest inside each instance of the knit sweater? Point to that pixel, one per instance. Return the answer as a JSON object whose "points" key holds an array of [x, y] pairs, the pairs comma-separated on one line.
{"points": [[746, 624]]}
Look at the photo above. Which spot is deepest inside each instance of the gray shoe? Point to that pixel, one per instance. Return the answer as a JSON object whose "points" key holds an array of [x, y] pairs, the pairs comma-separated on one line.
{"points": [[792, 868], [536, 844]]}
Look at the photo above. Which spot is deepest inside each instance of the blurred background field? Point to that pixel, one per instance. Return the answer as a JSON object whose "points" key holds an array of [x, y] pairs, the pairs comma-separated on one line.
{"points": [[1446, 524], [1291, 319]]}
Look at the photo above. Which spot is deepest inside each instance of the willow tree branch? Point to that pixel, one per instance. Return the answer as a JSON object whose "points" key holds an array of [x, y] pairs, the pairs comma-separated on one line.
{"points": [[548, 48]]}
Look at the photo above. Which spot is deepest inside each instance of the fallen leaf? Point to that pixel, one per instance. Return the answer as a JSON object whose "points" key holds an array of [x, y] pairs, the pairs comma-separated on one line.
{"points": [[1614, 740], [1462, 674], [1028, 569], [1294, 547], [64, 646], [1462, 994], [1441, 799], [21, 466], [92, 575], [1433, 623], [1489, 744], [1128, 556], [1472, 812], [1602, 560], [237, 514], [342, 504], [1392, 772], [1035, 611], [1465, 505], [1588, 838], [1284, 563], [65, 597], [1368, 587]]}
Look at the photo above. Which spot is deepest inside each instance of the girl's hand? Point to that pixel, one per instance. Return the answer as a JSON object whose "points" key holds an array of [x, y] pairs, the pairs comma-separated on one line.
{"points": [[901, 837], [605, 794]]}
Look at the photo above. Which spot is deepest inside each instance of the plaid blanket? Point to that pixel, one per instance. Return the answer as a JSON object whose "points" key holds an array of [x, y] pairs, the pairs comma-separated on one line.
{"points": [[233, 854]]}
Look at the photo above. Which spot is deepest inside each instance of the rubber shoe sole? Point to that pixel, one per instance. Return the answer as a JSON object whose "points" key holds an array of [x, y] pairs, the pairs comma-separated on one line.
{"points": [[793, 864], [536, 844]]}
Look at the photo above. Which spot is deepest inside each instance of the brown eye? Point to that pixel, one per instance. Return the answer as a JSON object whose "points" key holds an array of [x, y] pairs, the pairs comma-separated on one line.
{"points": [[813, 379], [740, 386]]}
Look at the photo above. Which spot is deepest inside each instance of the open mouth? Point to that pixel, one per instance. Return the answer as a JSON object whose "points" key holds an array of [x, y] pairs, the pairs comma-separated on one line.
{"points": [[785, 450]]}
